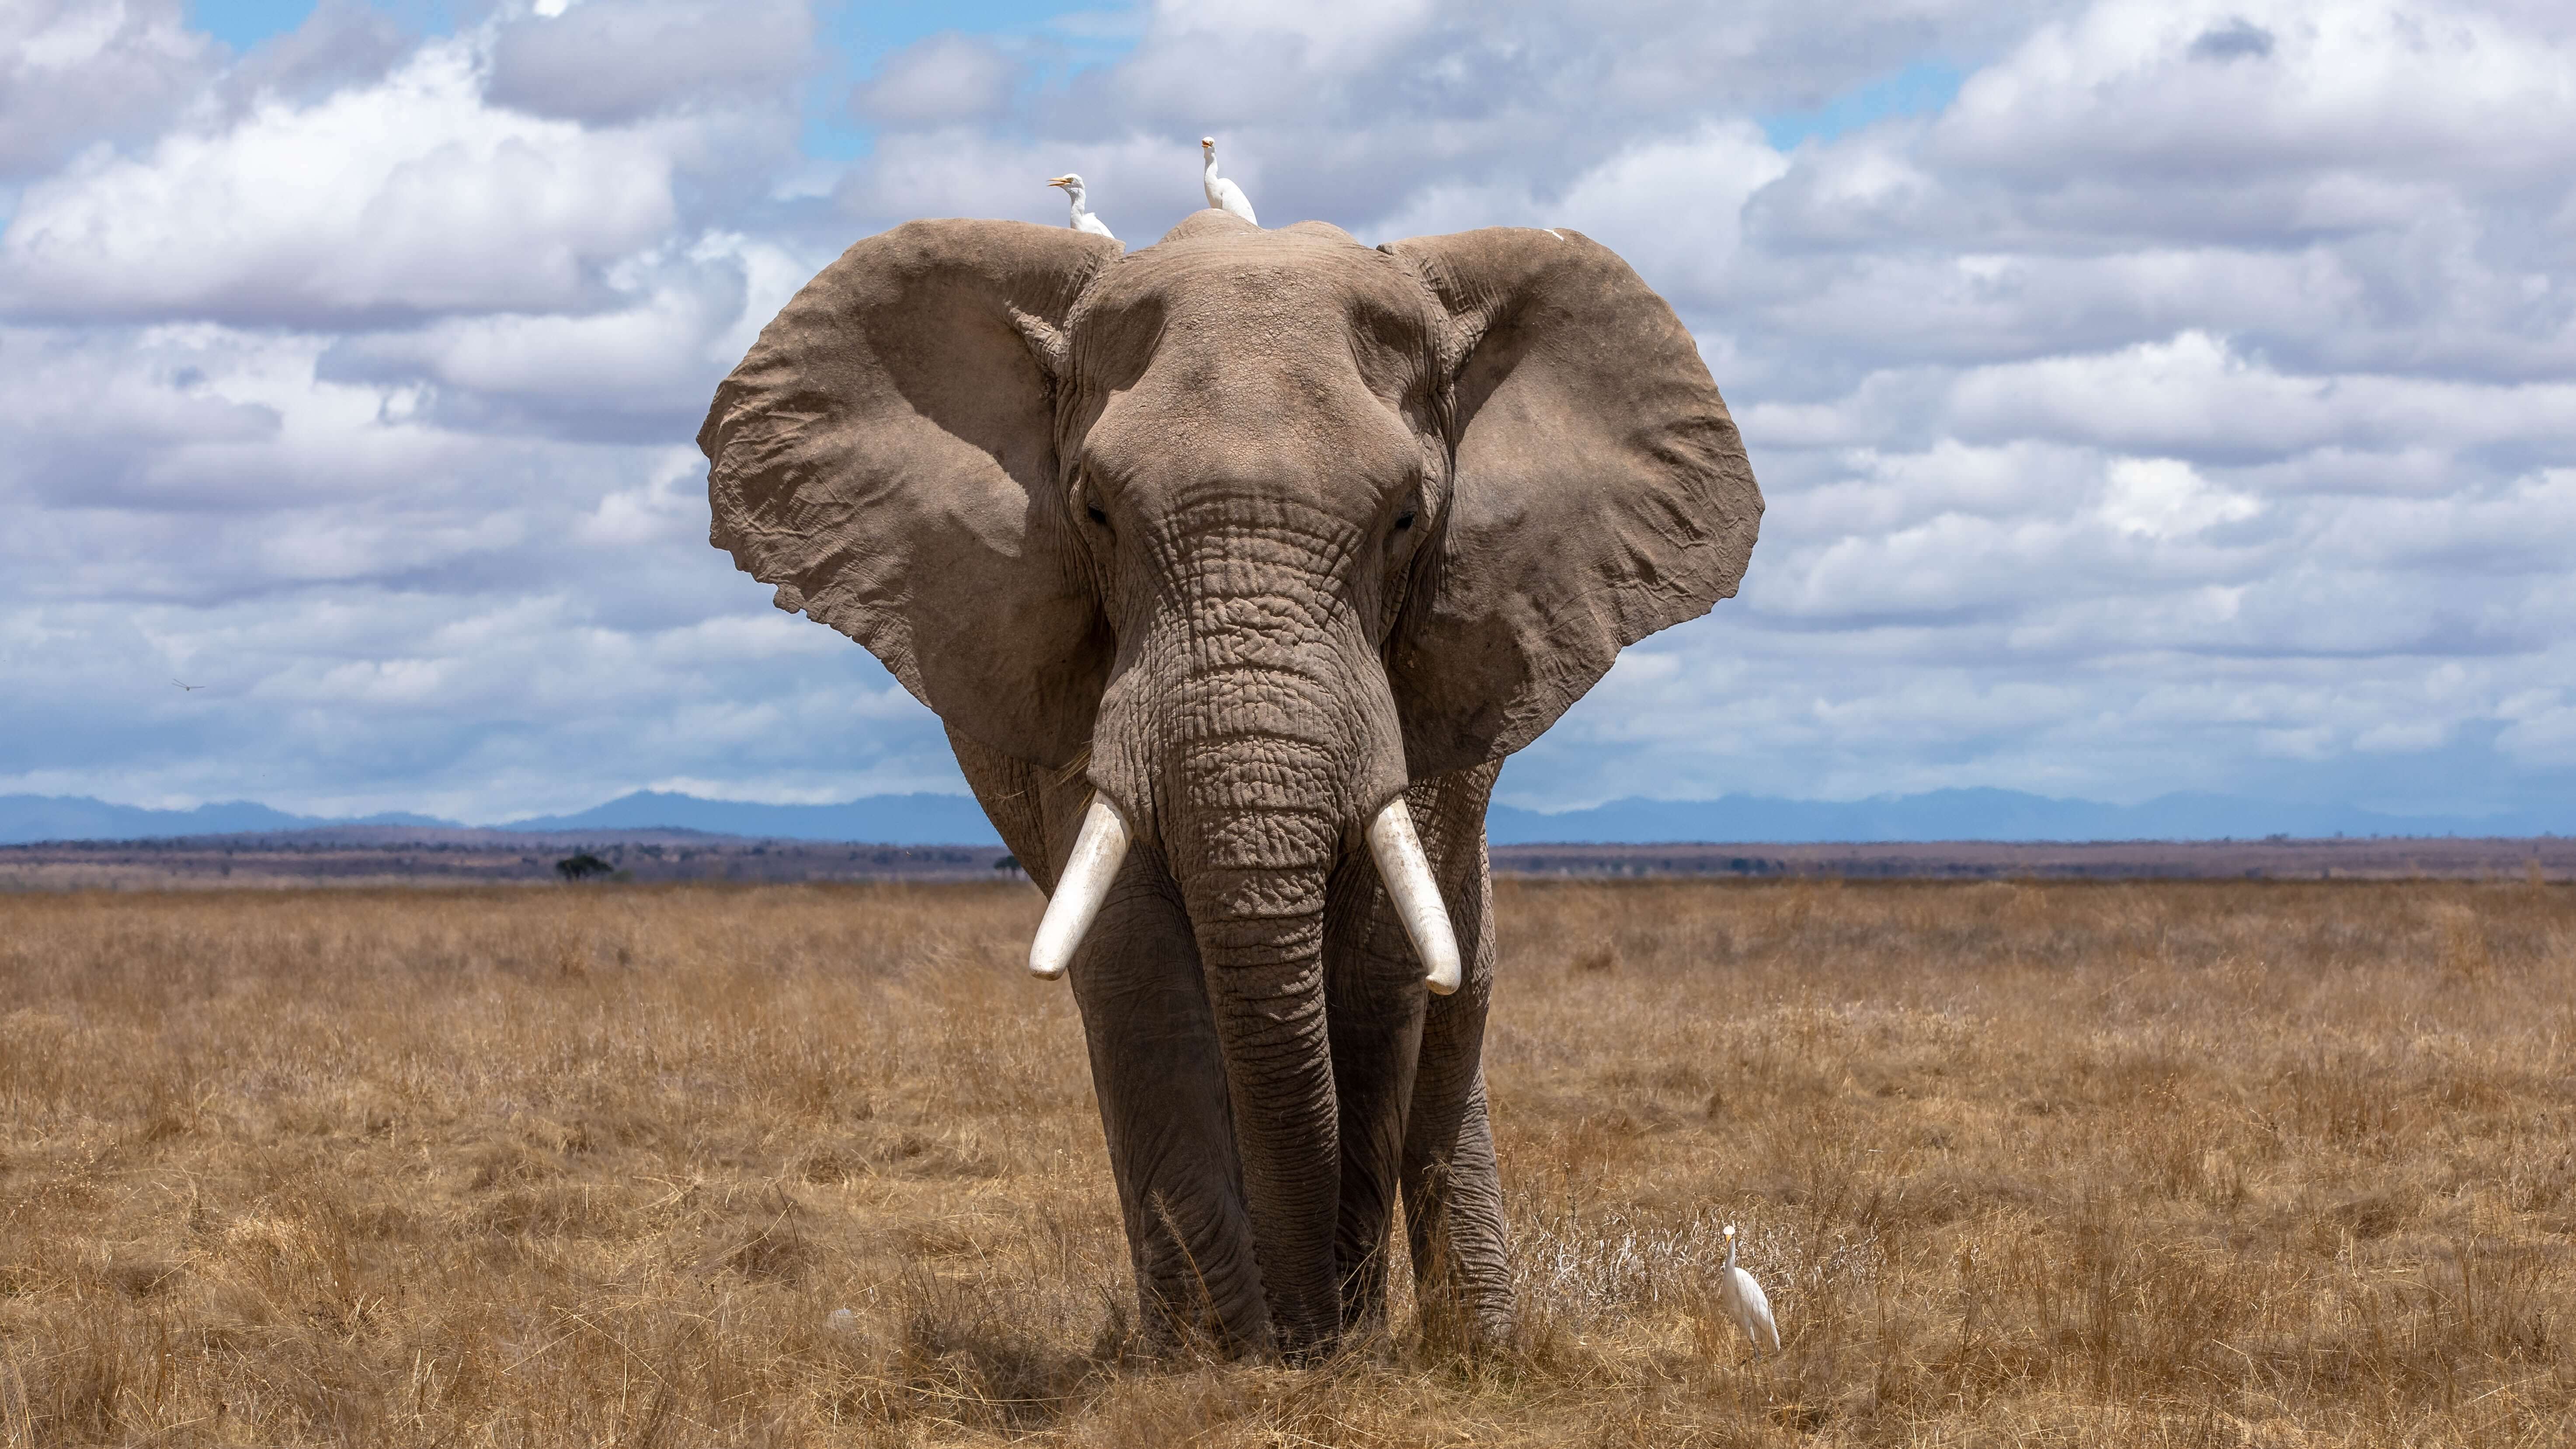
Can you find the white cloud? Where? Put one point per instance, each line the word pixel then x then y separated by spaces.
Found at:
pixel 617 61
pixel 2543 728
pixel 2197 394
pixel 341 45
pixel 1672 206
pixel 76 74
pixel 1223 60
pixel 667 507
pixel 411 196
pixel 2163 499
pixel 2381 91
pixel 947 77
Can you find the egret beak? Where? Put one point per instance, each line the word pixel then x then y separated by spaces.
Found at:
pixel 1207 143
pixel 1061 181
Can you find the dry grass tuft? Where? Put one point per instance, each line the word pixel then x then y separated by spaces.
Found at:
pixel 2173 1164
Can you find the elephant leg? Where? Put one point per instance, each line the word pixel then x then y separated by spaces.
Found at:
pixel 1453 1211
pixel 1160 1078
pixel 1373 1008
pixel 1453 1200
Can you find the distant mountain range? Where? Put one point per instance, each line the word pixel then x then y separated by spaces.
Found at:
pixel 25 818
pixel 887 819
pixel 927 819
pixel 877 819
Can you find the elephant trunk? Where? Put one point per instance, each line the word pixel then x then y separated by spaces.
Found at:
pixel 1255 814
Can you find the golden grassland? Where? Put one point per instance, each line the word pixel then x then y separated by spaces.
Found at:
pixel 2079 1164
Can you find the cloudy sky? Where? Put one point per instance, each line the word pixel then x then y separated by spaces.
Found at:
pixel 2149 396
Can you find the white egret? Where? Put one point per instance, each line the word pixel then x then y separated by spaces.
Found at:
pixel 1222 194
pixel 1081 220
pixel 1745 1301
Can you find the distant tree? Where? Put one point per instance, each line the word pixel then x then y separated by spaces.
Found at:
pixel 582 865
pixel 1008 862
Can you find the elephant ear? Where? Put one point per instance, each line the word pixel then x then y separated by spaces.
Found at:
pixel 1600 491
pixel 885 455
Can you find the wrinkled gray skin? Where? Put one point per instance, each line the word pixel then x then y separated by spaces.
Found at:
pixel 1249 532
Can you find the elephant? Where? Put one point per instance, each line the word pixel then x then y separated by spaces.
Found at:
pixel 1233 569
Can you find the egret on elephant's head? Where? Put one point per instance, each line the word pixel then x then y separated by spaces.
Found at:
pixel 1222 194
pixel 1078 198
pixel 1234 567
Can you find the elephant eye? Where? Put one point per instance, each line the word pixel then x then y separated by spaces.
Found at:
pixel 1096 515
pixel 1404 520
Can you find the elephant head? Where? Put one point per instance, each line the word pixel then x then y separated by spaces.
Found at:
pixel 1233 547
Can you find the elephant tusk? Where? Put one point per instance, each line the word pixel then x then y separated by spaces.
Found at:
pixel 1406 872
pixel 1097 851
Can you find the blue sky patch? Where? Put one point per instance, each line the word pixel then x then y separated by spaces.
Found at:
pixel 1921 89
pixel 242 24
pixel 858 37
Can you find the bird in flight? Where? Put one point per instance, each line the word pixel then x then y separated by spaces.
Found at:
pixel 1082 220
pixel 188 686
pixel 1222 194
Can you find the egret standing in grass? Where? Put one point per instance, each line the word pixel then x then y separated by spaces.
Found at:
pixel 1081 220
pixel 1745 1301
pixel 1222 194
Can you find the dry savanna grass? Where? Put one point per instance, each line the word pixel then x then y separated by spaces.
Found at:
pixel 2078 1164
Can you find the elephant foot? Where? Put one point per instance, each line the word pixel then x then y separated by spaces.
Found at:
pixel 1464 1329
pixel 1310 1354
pixel 1179 1327
pixel 1177 1324
pixel 1459 1313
